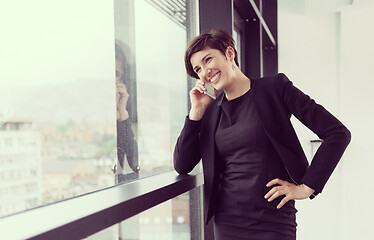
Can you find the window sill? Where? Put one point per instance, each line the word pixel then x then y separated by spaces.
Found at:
pixel 85 215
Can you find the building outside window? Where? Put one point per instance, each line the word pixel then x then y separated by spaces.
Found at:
pixel 65 66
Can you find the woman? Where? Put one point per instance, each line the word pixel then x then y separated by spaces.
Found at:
pixel 254 166
pixel 127 147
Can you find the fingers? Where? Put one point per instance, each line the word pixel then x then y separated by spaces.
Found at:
pixel 280 192
pixel 290 191
pixel 199 101
pixel 199 87
pixel 123 99
pixel 121 88
pixel 274 193
pixel 121 93
pixel 284 188
pixel 275 181
pixel 284 201
pixel 121 85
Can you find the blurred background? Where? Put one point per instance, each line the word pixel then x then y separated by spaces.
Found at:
pixel 325 47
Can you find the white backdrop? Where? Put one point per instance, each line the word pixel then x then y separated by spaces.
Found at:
pixel 326 49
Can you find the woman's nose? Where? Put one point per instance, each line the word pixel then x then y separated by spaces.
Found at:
pixel 207 72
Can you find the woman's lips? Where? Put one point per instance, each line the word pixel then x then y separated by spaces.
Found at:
pixel 215 78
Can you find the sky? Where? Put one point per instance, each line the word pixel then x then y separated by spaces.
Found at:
pixel 48 42
pixel 48 48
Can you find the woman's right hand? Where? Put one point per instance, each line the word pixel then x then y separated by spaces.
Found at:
pixel 122 96
pixel 199 101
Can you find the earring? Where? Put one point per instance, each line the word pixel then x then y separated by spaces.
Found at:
pixel 233 67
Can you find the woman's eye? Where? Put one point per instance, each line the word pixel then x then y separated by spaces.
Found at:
pixel 208 59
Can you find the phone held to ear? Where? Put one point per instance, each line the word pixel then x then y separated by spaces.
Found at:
pixel 210 91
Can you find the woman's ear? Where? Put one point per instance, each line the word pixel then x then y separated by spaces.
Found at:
pixel 230 53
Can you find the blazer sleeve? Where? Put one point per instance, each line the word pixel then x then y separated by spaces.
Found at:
pixel 187 152
pixel 334 135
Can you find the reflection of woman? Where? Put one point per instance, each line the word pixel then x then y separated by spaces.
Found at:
pixel 126 145
pixel 254 166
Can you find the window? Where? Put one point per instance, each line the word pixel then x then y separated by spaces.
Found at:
pixel 155 81
pixel 166 221
pixel 61 64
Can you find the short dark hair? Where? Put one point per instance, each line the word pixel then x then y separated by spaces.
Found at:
pixel 215 39
pixel 121 58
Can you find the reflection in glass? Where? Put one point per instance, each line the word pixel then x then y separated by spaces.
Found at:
pixel 127 147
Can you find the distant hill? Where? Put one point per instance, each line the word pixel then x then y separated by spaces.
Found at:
pixel 89 100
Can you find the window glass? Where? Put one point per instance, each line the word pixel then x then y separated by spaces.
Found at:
pixel 92 93
pixel 156 86
pixel 167 221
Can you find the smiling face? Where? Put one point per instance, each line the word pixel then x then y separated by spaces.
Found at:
pixel 213 67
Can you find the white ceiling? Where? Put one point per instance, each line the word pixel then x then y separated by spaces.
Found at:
pixel 317 6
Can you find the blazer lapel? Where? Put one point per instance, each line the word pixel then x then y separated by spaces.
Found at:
pixel 209 126
pixel 271 124
pixel 207 138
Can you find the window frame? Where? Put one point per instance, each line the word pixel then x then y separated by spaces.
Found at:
pixel 101 210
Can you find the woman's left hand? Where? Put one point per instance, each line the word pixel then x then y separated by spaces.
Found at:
pixel 290 190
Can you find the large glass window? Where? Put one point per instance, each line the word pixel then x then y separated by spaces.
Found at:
pixel 167 221
pixel 92 93
pixel 152 36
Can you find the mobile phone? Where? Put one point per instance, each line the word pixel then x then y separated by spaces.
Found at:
pixel 210 91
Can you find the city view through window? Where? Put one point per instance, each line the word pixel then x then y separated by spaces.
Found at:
pixel 59 130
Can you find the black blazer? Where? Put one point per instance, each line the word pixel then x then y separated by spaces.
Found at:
pixel 276 99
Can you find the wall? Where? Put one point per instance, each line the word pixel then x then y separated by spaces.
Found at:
pixel 326 50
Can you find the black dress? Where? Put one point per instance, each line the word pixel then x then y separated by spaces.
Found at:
pixel 247 162
pixel 127 149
